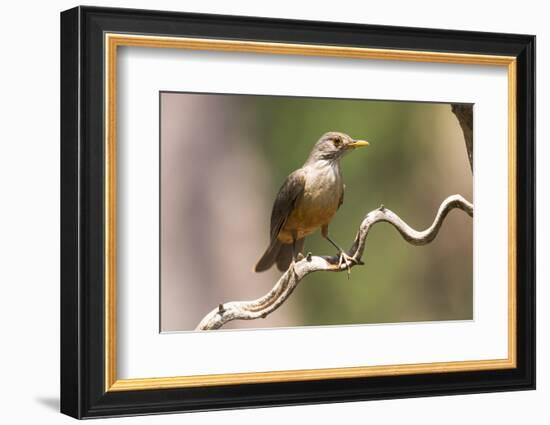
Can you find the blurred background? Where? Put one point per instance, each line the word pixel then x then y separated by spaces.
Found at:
pixel 223 159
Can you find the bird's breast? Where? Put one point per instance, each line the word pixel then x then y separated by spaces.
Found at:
pixel 319 202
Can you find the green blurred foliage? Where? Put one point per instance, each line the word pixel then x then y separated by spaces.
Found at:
pixel 407 168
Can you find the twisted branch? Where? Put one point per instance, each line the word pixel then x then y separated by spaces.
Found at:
pixel 261 307
pixel 464 114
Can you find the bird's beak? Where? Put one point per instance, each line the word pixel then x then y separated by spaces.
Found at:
pixel 358 144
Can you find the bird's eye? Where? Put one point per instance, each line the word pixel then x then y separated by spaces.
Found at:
pixel 337 142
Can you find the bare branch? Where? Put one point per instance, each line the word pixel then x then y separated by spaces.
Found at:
pixel 464 114
pixel 261 307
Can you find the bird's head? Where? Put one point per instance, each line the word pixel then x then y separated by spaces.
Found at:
pixel 334 145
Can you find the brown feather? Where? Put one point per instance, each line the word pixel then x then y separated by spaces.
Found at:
pixel 284 258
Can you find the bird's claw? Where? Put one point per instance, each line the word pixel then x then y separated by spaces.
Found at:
pixel 348 261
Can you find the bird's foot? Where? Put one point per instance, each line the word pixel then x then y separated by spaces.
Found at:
pixel 347 261
pixel 299 257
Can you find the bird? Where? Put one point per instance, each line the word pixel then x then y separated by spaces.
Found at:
pixel 308 200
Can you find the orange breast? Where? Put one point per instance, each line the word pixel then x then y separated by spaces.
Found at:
pixel 317 206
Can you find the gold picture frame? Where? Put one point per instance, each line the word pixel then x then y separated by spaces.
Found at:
pixel 113 41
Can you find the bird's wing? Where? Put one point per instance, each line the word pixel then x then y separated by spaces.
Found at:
pixel 341 201
pixel 289 193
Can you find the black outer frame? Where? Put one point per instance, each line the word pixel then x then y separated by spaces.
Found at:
pixel 82 219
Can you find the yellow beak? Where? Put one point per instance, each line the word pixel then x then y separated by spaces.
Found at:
pixel 358 144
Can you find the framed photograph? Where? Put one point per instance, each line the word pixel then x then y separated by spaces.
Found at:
pixel 261 212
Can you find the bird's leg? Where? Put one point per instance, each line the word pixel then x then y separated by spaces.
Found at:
pixel 296 256
pixel 344 257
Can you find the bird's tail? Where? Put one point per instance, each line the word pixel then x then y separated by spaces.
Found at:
pixel 269 257
pixel 279 253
